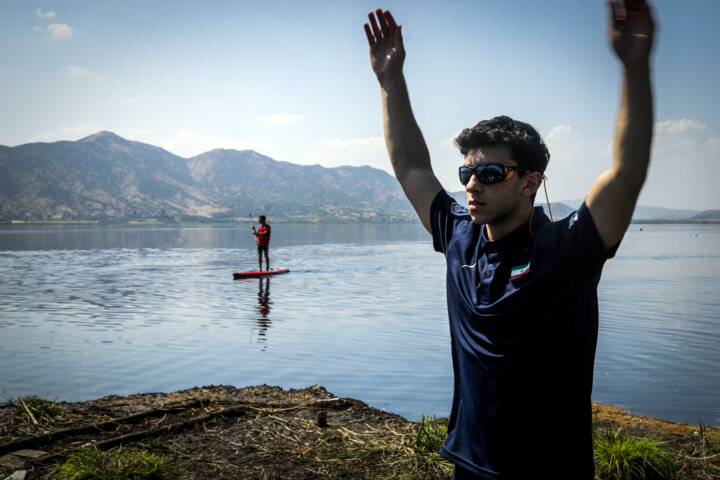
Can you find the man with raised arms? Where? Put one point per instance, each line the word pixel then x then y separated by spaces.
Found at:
pixel 521 290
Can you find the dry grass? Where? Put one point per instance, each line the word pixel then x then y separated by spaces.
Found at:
pixel 310 434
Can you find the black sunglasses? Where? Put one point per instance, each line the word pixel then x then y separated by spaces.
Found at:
pixel 488 173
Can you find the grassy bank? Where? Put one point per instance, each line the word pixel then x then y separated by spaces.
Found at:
pixel 270 433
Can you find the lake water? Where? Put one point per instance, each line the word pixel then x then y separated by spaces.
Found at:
pixel 89 311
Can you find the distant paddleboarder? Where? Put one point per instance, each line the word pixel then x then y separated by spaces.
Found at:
pixel 263 244
pixel 263 241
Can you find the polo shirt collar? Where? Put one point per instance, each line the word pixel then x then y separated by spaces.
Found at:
pixel 517 238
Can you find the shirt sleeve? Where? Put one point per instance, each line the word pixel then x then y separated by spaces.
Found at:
pixel 446 215
pixel 585 250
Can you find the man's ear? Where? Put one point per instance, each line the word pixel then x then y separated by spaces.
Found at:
pixel 533 181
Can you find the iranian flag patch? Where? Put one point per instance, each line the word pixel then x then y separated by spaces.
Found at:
pixel 519 271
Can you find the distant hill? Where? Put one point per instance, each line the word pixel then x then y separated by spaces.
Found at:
pixel 708 215
pixel 559 210
pixel 660 213
pixel 655 214
pixel 106 177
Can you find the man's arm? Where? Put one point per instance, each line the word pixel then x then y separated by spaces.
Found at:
pixel 612 198
pixel 406 147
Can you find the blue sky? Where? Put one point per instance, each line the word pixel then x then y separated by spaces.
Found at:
pixel 292 80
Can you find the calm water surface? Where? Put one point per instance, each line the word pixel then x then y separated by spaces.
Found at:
pixel 98 310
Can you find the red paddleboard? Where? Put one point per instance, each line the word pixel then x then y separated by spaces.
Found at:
pixel 262 273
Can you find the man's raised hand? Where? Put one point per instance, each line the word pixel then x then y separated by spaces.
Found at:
pixel 387 53
pixel 631 31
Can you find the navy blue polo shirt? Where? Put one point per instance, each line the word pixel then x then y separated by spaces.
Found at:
pixel 523 317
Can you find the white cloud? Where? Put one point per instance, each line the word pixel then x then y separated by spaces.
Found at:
pixel 338 145
pixel 83 130
pixel 712 148
pixel 280 119
pixel 561 140
pixel 575 163
pixel 677 127
pixel 44 15
pixel 188 143
pixel 136 134
pixel 355 152
pixel 80 72
pixel 684 166
pixel 679 137
pixel 60 31
pixel 450 142
pixel 67 133
pixel 132 100
pixel 568 147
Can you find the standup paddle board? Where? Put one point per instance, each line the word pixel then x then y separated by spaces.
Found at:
pixel 261 273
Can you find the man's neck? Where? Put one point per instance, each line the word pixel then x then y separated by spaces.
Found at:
pixel 498 230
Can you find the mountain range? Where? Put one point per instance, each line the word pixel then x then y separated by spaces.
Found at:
pixel 104 177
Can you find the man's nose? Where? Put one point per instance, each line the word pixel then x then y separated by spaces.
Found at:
pixel 473 184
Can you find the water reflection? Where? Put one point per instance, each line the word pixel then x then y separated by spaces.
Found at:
pixel 85 237
pixel 263 309
pixel 89 237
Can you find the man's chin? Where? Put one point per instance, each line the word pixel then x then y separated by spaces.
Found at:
pixel 477 218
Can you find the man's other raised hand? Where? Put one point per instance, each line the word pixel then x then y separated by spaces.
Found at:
pixel 631 30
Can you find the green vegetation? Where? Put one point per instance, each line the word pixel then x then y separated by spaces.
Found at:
pixel 619 456
pixel 39 411
pixel 116 464
pixel 430 435
pixel 397 457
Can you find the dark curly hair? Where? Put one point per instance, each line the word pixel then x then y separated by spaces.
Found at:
pixel 526 145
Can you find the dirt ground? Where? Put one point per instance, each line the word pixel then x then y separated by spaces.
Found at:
pixel 263 432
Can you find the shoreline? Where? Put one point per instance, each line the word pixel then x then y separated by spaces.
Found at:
pixel 268 432
pixel 280 221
